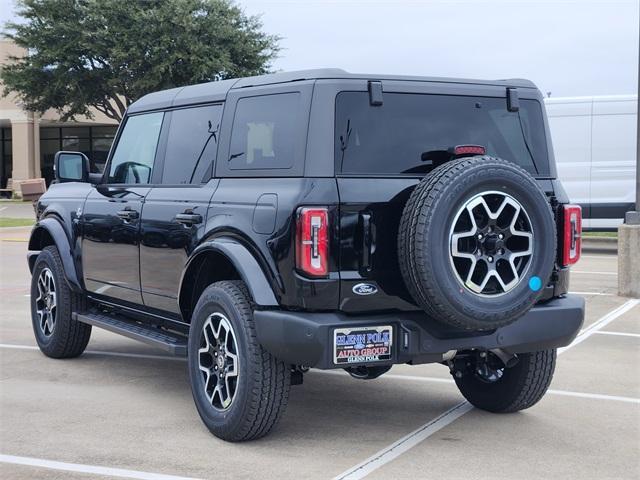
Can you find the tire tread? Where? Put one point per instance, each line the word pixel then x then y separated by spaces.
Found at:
pixel 70 337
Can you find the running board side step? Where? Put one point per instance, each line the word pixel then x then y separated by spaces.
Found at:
pixel 172 343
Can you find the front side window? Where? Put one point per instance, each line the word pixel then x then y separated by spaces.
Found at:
pixel 191 145
pixel 412 133
pixel 132 161
pixel 264 132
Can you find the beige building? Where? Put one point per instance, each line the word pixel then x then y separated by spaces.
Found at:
pixel 29 141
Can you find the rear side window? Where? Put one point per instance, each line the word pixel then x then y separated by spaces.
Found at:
pixel 191 144
pixel 264 132
pixel 132 161
pixel 411 133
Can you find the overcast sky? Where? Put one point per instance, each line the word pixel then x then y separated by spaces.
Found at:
pixel 568 47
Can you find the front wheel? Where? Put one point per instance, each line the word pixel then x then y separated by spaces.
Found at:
pixel 491 386
pixel 240 389
pixel 52 306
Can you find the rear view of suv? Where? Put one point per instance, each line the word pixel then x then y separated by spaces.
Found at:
pixel 318 219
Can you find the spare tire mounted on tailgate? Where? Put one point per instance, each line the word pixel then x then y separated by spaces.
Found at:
pixel 477 243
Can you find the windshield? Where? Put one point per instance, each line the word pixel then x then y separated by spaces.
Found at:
pixel 411 133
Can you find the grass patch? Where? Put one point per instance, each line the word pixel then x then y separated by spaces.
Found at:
pixel 600 234
pixel 16 222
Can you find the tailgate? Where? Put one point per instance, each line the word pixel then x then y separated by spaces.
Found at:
pixel 370 212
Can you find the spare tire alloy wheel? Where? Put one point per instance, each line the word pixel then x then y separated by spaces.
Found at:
pixel 218 361
pixel 477 243
pixel 491 243
pixel 46 302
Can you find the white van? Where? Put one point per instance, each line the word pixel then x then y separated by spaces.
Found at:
pixel 594 140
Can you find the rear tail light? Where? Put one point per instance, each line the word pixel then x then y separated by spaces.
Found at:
pixel 312 241
pixel 469 150
pixel 572 234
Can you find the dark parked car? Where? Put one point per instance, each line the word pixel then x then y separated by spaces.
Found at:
pixel 318 219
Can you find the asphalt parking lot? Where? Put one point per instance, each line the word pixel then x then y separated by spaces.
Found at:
pixel 125 410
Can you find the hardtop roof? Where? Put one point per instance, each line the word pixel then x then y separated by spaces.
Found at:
pixel 217 91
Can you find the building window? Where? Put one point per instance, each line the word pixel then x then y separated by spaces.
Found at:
pixel 94 142
pixel 6 156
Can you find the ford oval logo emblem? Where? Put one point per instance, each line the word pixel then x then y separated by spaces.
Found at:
pixel 364 289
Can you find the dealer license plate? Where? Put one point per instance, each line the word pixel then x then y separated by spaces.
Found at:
pixel 362 344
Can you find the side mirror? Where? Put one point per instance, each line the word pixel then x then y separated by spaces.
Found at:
pixel 71 167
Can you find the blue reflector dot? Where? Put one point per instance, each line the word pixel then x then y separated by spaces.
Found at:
pixel 535 283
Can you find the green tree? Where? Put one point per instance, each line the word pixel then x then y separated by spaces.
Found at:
pixel 108 53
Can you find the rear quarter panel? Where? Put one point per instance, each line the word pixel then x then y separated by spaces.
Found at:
pixel 260 213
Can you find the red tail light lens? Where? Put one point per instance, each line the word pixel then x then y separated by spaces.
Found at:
pixel 469 150
pixel 312 241
pixel 572 234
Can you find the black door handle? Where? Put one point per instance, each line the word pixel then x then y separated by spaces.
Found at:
pixel 127 214
pixel 188 218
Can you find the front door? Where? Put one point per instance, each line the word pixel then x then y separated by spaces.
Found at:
pixel 113 210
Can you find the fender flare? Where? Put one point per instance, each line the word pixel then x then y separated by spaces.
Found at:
pixel 245 264
pixel 56 231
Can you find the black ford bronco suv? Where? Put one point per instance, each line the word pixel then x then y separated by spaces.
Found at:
pixel 317 219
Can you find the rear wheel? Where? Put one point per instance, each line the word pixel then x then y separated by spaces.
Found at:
pixel 240 389
pixel 491 386
pixel 52 305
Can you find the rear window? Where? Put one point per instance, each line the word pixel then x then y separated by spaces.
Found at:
pixel 264 132
pixel 410 133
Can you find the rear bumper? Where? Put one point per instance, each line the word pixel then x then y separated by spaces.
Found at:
pixel 303 338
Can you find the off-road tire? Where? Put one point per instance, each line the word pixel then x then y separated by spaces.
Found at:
pixel 263 385
pixel 521 386
pixel 423 242
pixel 69 337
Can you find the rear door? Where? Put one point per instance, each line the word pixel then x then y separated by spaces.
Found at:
pixel 111 217
pixel 175 210
pixel 383 151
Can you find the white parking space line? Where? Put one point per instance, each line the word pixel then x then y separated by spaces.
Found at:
pixel 593 293
pixel 2 208
pixel 590 272
pixel 621 334
pixel 76 467
pixel 387 376
pixel 595 396
pixel 101 352
pixel 381 458
pixel 406 443
pixel 450 381
pixel 601 323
